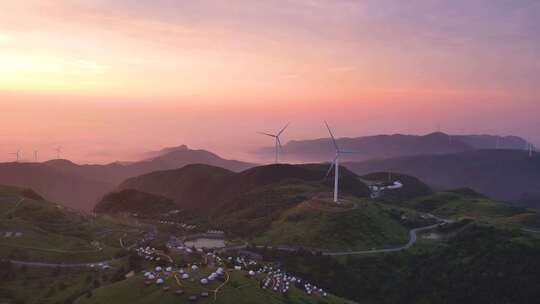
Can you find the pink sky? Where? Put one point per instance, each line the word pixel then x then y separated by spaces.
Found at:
pixel 109 80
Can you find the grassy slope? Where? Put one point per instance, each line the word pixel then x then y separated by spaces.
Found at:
pixel 52 285
pixel 367 226
pixel 465 204
pixel 51 233
pixel 239 290
pixel 481 264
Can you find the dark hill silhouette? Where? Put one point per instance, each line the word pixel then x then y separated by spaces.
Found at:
pixel 501 174
pixel 397 145
pixel 71 190
pixel 135 202
pixel 166 159
pixel 204 189
pixel 82 186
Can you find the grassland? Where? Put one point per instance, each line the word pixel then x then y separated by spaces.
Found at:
pixel 35 230
pixel 239 289
pixel 364 226
pixel 465 204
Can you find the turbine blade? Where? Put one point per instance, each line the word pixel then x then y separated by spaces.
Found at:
pixel 267 134
pixel 329 170
pixel 331 167
pixel 281 131
pixel 331 135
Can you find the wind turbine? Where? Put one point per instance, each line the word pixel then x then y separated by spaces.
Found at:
pixel 58 151
pixel 17 154
pixel 36 155
pixel 335 163
pixel 277 140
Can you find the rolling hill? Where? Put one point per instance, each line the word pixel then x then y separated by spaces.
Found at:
pixel 501 174
pixel 74 191
pixel 166 159
pixel 82 186
pixel 133 201
pixel 36 230
pixel 390 146
pixel 278 205
pixel 207 189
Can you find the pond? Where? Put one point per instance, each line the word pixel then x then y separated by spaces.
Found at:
pixel 205 243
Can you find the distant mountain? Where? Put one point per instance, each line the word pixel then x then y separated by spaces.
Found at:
pixel 397 145
pixel 166 159
pixel 82 186
pixel 71 190
pixel 206 189
pixel 501 174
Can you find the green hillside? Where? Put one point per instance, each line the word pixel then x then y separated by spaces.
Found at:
pixel 35 230
pixel 134 201
pixel 359 226
pixel 465 203
pixel 239 289
pixel 480 264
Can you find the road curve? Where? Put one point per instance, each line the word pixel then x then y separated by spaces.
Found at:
pixel 412 240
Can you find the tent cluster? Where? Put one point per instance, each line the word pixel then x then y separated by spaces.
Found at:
pixel 183 225
pixel 217 232
pixel 8 234
pixel 148 253
pixel 159 274
pixel 279 281
pixel 213 276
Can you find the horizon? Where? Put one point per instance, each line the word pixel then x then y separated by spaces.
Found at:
pixel 110 80
pixel 257 157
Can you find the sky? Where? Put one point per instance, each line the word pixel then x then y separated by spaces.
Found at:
pixel 109 80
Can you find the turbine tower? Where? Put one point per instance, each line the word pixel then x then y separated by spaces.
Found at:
pixel 277 140
pixel 17 155
pixel 335 163
pixel 35 156
pixel 58 152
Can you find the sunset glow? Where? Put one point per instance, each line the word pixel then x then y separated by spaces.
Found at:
pixel 160 70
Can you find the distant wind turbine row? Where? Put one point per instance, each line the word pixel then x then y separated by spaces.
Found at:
pixel 18 154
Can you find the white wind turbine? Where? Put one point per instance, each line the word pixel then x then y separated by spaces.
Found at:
pixel 335 163
pixel 277 140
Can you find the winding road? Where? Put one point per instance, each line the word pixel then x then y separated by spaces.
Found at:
pixel 412 240
pixel 75 265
